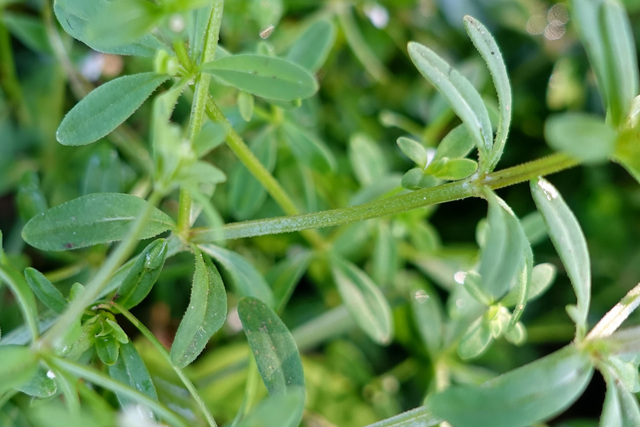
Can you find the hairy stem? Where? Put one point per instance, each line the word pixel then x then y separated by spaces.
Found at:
pixel 392 205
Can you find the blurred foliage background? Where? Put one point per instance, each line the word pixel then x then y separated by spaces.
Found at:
pixel 369 91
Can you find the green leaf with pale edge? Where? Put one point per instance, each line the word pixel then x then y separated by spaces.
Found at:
pixel 524 396
pixel 18 365
pixel 39 385
pixel 44 290
pixel 413 150
pixel 131 370
pixel 308 148
pixel 428 316
pixel 143 274
pixel 311 49
pixel 205 314
pixel 273 347
pixel 458 143
pixel 365 301
pixel 418 417
pixel 91 220
pixel 281 410
pixel 505 249
pixel 459 92
pixel 106 108
pixel 244 277
pixel 569 241
pixel 620 407
pixel 583 136
pixel 264 76
pixel 368 162
pixel 486 45
pixel 476 339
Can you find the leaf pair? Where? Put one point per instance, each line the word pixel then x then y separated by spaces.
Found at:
pixel 464 99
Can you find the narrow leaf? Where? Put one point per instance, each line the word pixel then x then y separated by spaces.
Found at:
pixel 39 385
pixel 205 314
pixel 264 76
pixel 90 220
pixel 486 45
pixel 284 276
pixel 459 92
pixel 280 410
pixel 583 136
pixel 273 347
pixel 365 301
pixel 458 143
pixel 44 290
pixel 413 150
pixel 106 107
pixel 476 339
pixel 569 241
pixel 143 274
pixel 521 397
pixel 107 348
pixel 620 407
pixel 311 49
pixel 367 159
pixel 131 370
pixel 308 148
pixel 245 278
pixel 18 365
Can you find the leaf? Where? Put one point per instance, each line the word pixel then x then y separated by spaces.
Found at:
pixel 524 396
pixel 459 92
pixel 246 194
pixel 18 365
pixel 367 160
pixel 452 169
pixel 385 258
pixel 106 107
pixel 414 151
pixel 365 301
pixel 29 30
pixel 246 103
pixel 311 49
pixel 428 317
pixel 569 241
pixel 91 220
pixel 281 410
pixel 583 136
pixel 245 278
pixel 458 143
pixel 44 290
pixel 476 339
pixel 415 179
pixel 486 45
pixel 39 385
pixel 74 17
pixel 131 371
pixel 205 314
pixel 264 76
pixel 504 251
pixel 418 417
pixel 273 347
pixel 284 276
pixel 200 172
pixel 542 276
pixel 143 274
pixel 107 348
pixel 308 148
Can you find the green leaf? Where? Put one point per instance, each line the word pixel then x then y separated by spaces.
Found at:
pixel 44 290
pixel 542 276
pixel 18 365
pixel 245 278
pixel 365 301
pixel 199 172
pixel 418 417
pixel 524 396
pixel 452 169
pixel 264 76
pixel 104 172
pixel 414 151
pixel 205 314
pixel 385 260
pixel 246 103
pixel 428 316
pixel 583 136
pixel 281 410
pixel 459 92
pixel 284 276
pixel 29 30
pixel 246 194
pixel 476 339
pixel 131 370
pixel 273 347
pixel 367 160
pixel 40 385
pixel 74 17
pixel 91 220
pixel 308 148
pixel 569 241
pixel 107 348
pixel 458 143
pixel 415 179
pixel 504 251
pixel 143 274
pixel 311 49
pixel 106 107
pixel 486 45
pixel 620 407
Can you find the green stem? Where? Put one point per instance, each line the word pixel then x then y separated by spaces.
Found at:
pixel 8 77
pixel 107 382
pixel 101 279
pixel 257 169
pixel 165 355
pixel 393 205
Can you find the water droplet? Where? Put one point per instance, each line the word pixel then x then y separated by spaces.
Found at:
pixel 50 374
pixel 421 296
pixel 377 14
pixel 176 23
pixel 459 277
pixel 549 190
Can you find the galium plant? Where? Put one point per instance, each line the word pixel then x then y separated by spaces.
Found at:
pixel 233 150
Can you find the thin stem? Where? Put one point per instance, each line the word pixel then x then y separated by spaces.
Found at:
pixel 8 76
pixel 165 355
pixel 618 314
pixel 101 279
pixel 107 382
pixel 392 205
pixel 257 169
